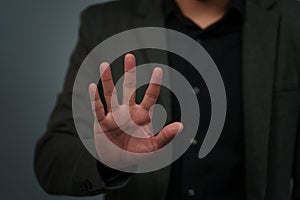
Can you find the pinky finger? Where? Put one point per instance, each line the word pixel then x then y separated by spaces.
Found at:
pixel 97 106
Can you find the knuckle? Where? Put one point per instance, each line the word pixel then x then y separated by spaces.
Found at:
pixel 129 84
pixel 108 93
pixel 151 95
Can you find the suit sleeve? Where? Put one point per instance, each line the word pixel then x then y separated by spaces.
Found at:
pixel 296 173
pixel 62 164
pixel 296 170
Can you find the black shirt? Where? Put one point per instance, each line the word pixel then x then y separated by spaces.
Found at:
pixel 220 175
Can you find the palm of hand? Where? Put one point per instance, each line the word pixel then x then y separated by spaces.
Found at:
pixel 128 126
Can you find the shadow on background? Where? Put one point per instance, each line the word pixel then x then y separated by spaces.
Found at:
pixel 36 41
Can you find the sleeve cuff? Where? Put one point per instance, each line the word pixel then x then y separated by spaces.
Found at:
pixel 112 178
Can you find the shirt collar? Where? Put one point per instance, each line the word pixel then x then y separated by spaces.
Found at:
pixel 170 7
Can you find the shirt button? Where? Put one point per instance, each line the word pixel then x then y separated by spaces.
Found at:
pixel 191 192
pixel 196 90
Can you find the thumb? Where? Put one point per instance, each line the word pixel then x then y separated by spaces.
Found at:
pixel 168 133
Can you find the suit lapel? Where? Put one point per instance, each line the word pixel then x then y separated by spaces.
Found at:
pixel 259 50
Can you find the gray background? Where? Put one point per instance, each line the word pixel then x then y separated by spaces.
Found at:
pixel 36 40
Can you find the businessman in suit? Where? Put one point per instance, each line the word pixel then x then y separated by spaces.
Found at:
pixel 255 45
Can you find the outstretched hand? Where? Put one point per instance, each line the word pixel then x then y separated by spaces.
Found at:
pixel 129 125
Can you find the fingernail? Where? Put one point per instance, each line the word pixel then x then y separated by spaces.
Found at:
pixel 157 76
pixel 92 90
pixel 180 128
pixel 103 67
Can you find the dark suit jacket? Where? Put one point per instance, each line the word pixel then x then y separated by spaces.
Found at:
pixel 271 78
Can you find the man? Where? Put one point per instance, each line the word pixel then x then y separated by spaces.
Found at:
pixel 255 45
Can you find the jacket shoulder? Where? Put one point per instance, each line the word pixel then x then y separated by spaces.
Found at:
pixel 112 8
